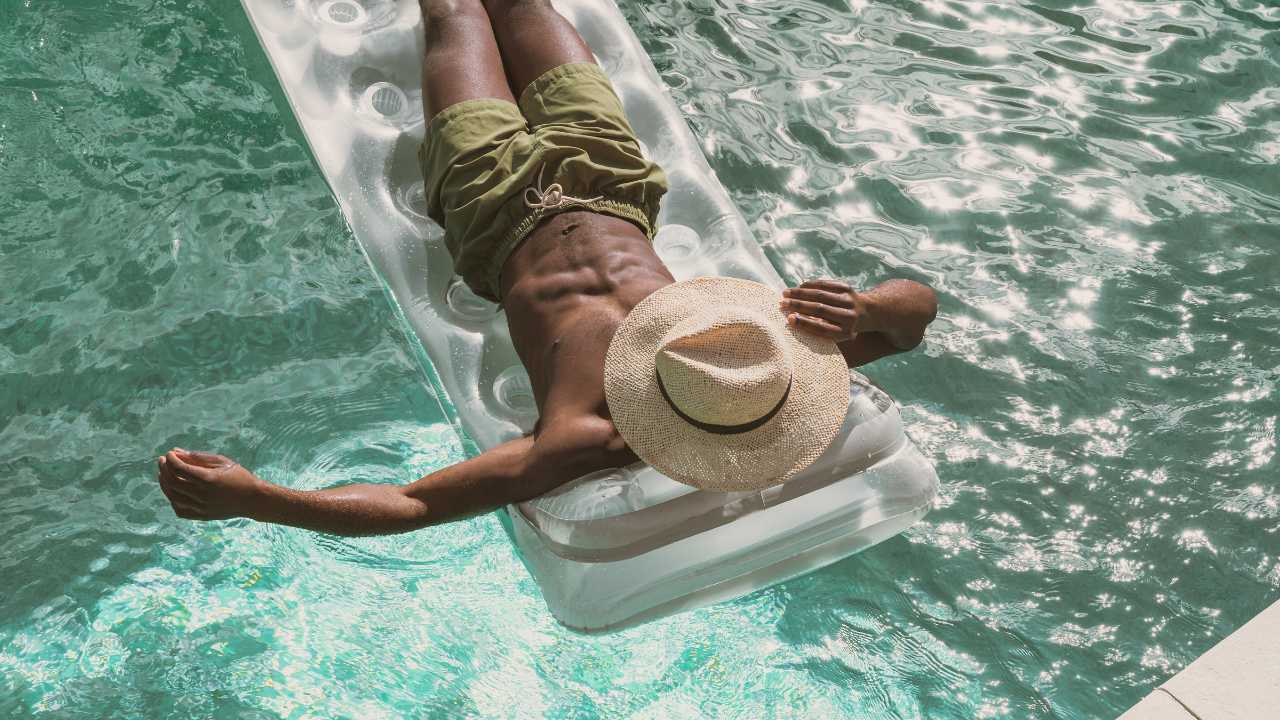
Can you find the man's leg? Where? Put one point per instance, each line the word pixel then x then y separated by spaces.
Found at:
pixel 534 38
pixel 462 60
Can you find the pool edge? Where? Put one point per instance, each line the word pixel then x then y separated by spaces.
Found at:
pixel 1237 678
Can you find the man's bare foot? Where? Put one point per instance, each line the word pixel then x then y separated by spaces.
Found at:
pixel 204 486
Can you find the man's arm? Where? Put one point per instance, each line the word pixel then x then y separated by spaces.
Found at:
pixel 203 486
pixel 888 319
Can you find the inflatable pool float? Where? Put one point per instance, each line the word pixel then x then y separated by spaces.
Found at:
pixel 621 546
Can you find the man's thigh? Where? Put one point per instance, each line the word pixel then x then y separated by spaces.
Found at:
pixel 462 61
pixel 534 38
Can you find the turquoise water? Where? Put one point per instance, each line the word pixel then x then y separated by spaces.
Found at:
pixel 1091 186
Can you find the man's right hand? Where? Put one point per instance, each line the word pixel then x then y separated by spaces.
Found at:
pixel 829 308
pixel 888 319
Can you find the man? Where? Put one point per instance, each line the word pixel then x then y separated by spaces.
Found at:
pixel 549 208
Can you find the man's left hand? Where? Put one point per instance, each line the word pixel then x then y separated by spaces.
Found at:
pixel 204 486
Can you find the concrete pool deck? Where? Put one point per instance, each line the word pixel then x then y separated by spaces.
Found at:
pixel 1237 679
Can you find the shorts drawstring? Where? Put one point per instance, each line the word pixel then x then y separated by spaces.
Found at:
pixel 552 196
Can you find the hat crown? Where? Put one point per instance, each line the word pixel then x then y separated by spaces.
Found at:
pixel 725 367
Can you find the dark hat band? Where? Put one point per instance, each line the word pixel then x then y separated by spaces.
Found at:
pixel 725 429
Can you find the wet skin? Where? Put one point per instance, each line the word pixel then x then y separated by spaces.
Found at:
pixel 565 289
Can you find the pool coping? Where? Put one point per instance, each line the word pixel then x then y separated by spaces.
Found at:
pixel 1236 679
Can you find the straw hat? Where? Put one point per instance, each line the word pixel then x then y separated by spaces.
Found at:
pixel 707 383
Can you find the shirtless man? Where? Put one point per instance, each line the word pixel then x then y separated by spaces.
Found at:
pixel 585 200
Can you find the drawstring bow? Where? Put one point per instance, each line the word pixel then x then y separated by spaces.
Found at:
pixel 552 196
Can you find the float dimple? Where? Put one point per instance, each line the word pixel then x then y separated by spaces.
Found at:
pixel 463 301
pixel 676 242
pixel 344 13
pixel 514 391
pixel 387 100
pixel 414 200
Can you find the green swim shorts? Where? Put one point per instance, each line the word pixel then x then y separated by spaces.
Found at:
pixel 494 170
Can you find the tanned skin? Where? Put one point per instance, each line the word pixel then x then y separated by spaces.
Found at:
pixel 566 289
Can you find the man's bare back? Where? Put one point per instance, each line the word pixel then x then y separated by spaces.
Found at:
pixel 565 288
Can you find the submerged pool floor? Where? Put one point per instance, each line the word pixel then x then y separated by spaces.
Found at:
pixel 1091 187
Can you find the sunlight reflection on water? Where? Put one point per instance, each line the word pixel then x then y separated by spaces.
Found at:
pixel 1093 191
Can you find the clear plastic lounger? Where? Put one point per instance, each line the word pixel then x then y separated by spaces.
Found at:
pixel 616 547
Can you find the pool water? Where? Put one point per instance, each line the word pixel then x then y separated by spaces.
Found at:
pixel 1092 187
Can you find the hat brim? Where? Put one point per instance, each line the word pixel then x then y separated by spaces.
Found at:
pixel 797 435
